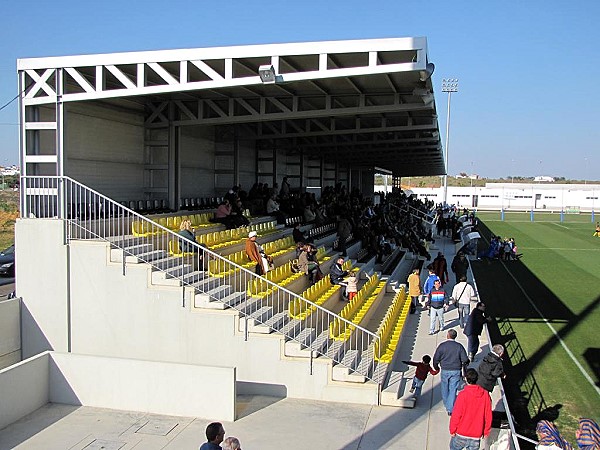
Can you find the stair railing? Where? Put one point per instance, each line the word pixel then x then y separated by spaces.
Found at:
pixel 90 215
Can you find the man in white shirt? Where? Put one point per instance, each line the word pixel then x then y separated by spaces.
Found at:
pixel 463 294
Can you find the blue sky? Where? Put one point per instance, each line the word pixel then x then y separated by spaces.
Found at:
pixel 528 70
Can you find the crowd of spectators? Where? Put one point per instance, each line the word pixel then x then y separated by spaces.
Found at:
pixel 381 227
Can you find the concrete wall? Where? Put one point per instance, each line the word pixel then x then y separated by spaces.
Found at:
pixel 24 387
pixel 104 149
pixel 127 317
pixel 197 156
pixel 41 262
pixel 134 385
pixel 131 385
pixel 10 333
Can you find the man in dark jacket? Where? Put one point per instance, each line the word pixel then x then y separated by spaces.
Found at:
pixel 474 327
pixel 460 265
pixel 451 357
pixel 491 368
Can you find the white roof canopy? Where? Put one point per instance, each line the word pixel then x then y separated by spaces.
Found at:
pixel 364 103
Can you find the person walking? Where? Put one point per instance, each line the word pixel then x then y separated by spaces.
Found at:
pixel 474 328
pixel 414 289
pixel 462 295
pixel 423 369
pixel 437 303
pixel 472 415
pixel 460 265
pixel 440 267
pixel 214 435
pixel 452 358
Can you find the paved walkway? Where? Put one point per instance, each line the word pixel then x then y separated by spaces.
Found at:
pixel 264 423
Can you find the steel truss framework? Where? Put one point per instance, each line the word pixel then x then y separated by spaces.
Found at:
pixel 361 103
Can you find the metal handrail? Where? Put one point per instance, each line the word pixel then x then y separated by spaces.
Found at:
pixel 89 214
pixel 511 424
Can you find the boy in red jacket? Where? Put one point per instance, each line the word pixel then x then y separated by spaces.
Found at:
pixel 423 368
pixel 472 415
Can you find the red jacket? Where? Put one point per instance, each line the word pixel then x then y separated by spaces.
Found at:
pixel 472 413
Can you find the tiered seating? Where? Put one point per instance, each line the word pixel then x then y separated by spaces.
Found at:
pixel 391 326
pixel 259 288
pixel 175 249
pixel 355 310
pixel 279 247
pixel 323 229
pixel 291 221
pixel 220 239
pixel 220 268
pixel 317 294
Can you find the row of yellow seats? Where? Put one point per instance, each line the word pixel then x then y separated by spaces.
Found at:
pixel 280 276
pixel 345 330
pixel 317 294
pixel 338 327
pixel 279 245
pixel 391 329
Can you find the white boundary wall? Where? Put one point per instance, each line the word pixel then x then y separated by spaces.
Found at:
pixel 10 333
pixel 521 196
pixel 76 298
pixel 123 384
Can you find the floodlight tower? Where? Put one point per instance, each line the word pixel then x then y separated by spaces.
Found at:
pixel 449 85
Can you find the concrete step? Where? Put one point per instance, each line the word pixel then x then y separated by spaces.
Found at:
pixel 125 241
pixel 291 328
pixel 397 393
pixel 256 320
pixel 297 346
pixel 234 299
pixel 194 277
pixel 116 254
pixel 273 323
pixel 168 262
pixel 206 283
pixel 147 257
pixel 220 292
pixel 341 372
pixel 174 274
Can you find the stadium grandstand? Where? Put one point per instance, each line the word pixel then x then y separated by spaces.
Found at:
pixel 122 319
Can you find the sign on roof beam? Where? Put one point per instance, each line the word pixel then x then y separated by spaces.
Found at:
pixel 41 82
pixel 40 125
pixel 161 72
pixel 207 70
pixel 85 85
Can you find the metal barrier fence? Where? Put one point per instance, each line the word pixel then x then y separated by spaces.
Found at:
pixel 89 215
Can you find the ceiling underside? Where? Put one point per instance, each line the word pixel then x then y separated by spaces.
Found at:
pixel 361 103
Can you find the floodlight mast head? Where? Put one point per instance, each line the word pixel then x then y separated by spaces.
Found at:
pixel 450 85
pixel 267 73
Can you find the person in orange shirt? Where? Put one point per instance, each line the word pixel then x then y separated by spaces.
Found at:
pixel 414 289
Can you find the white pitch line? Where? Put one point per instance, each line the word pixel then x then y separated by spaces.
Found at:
pixel 562 343
pixel 559 225
pixel 560 249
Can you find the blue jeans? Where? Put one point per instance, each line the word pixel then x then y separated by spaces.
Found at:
pixel 473 344
pixel 460 443
pixel 436 314
pixel 450 382
pixel 463 313
pixel 417 385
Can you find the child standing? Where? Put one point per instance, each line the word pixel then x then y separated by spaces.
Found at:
pixel 352 287
pixel 423 368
